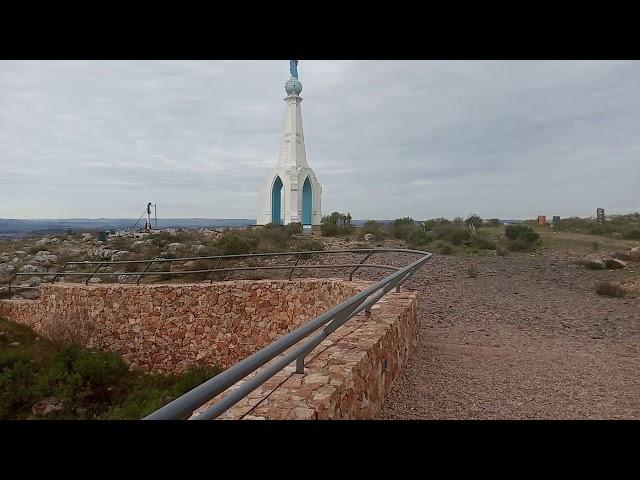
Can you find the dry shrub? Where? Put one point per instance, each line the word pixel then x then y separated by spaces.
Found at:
pixel 610 289
pixel 73 330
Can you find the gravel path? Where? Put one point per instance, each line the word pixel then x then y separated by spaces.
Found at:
pixel 527 338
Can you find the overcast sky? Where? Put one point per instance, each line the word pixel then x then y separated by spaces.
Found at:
pixel 507 139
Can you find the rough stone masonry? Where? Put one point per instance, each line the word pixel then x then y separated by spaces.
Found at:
pixel 170 327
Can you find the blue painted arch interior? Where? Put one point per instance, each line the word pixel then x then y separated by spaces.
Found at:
pixel 307 202
pixel 276 202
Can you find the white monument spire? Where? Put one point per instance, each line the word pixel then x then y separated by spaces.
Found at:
pixel 291 192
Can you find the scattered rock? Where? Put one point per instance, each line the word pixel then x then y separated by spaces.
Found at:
pixel 614 263
pixel 15 260
pixel 28 268
pixel 6 268
pixel 14 344
pixel 5 257
pixel 103 252
pixel 593 263
pixel 86 237
pixel 140 243
pixel 634 253
pixel 95 280
pixel 369 237
pixel 197 248
pixel 127 279
pixel 118 254
pixel 175 246
pixel 34 281
pixel 45 258
pixel 46 406
pixel 45 241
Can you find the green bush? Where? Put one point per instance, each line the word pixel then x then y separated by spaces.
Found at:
pixel 458 236
pixel 432 223
pixel 77 375
pixel 419 238
pixel 375 228
pixel 336 225
pixel 309 245
pixel 17 374
pixel 521 238
pixel 403 228
pixel 233 244
pixel 474 221
pixel 632 234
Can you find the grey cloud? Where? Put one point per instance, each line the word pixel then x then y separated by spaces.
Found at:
pixel 386 138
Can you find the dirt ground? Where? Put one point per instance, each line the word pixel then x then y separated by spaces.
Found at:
pixel 526 339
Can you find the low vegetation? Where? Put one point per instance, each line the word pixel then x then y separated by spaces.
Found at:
pixel 337 225
pixel 521 238
pixel 621 226
pixel 79 383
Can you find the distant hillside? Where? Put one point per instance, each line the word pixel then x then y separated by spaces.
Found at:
pixel 16 227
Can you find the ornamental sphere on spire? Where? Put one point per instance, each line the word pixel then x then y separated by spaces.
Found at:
pixel 293 86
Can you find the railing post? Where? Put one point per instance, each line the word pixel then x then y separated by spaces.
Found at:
pixel 361 263
pixel 143 271
pixel 292 268
pixel 214 269
pixel 58 274
pixel 93 273
pixel 300 364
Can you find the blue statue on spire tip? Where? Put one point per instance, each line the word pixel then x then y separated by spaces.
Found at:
pixel 293 67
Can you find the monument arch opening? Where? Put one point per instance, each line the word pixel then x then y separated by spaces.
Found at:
pixel 276 202
pixel 307 202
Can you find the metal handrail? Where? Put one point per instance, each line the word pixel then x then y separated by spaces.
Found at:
pixel 184 406
pixel 145 272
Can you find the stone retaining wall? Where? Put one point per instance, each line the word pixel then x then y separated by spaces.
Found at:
pixel 346 377
pixel 170 327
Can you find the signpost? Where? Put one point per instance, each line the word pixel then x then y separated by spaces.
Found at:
pixel 600 215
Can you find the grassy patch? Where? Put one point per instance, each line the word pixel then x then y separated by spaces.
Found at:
pixel 88 384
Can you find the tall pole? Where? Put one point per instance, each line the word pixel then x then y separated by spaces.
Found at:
pixel 155 210
pixel 149 216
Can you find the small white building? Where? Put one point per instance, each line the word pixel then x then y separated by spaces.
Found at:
pixel 291 193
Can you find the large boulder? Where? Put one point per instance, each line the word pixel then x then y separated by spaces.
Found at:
pixel 175 246
pixel 45 258
pixel 369 237
pixel 87 237
pixel 5 257
pixel 634 254
pixel 46 241
pixel 118 255
pixel 28 268
pixel 103 252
